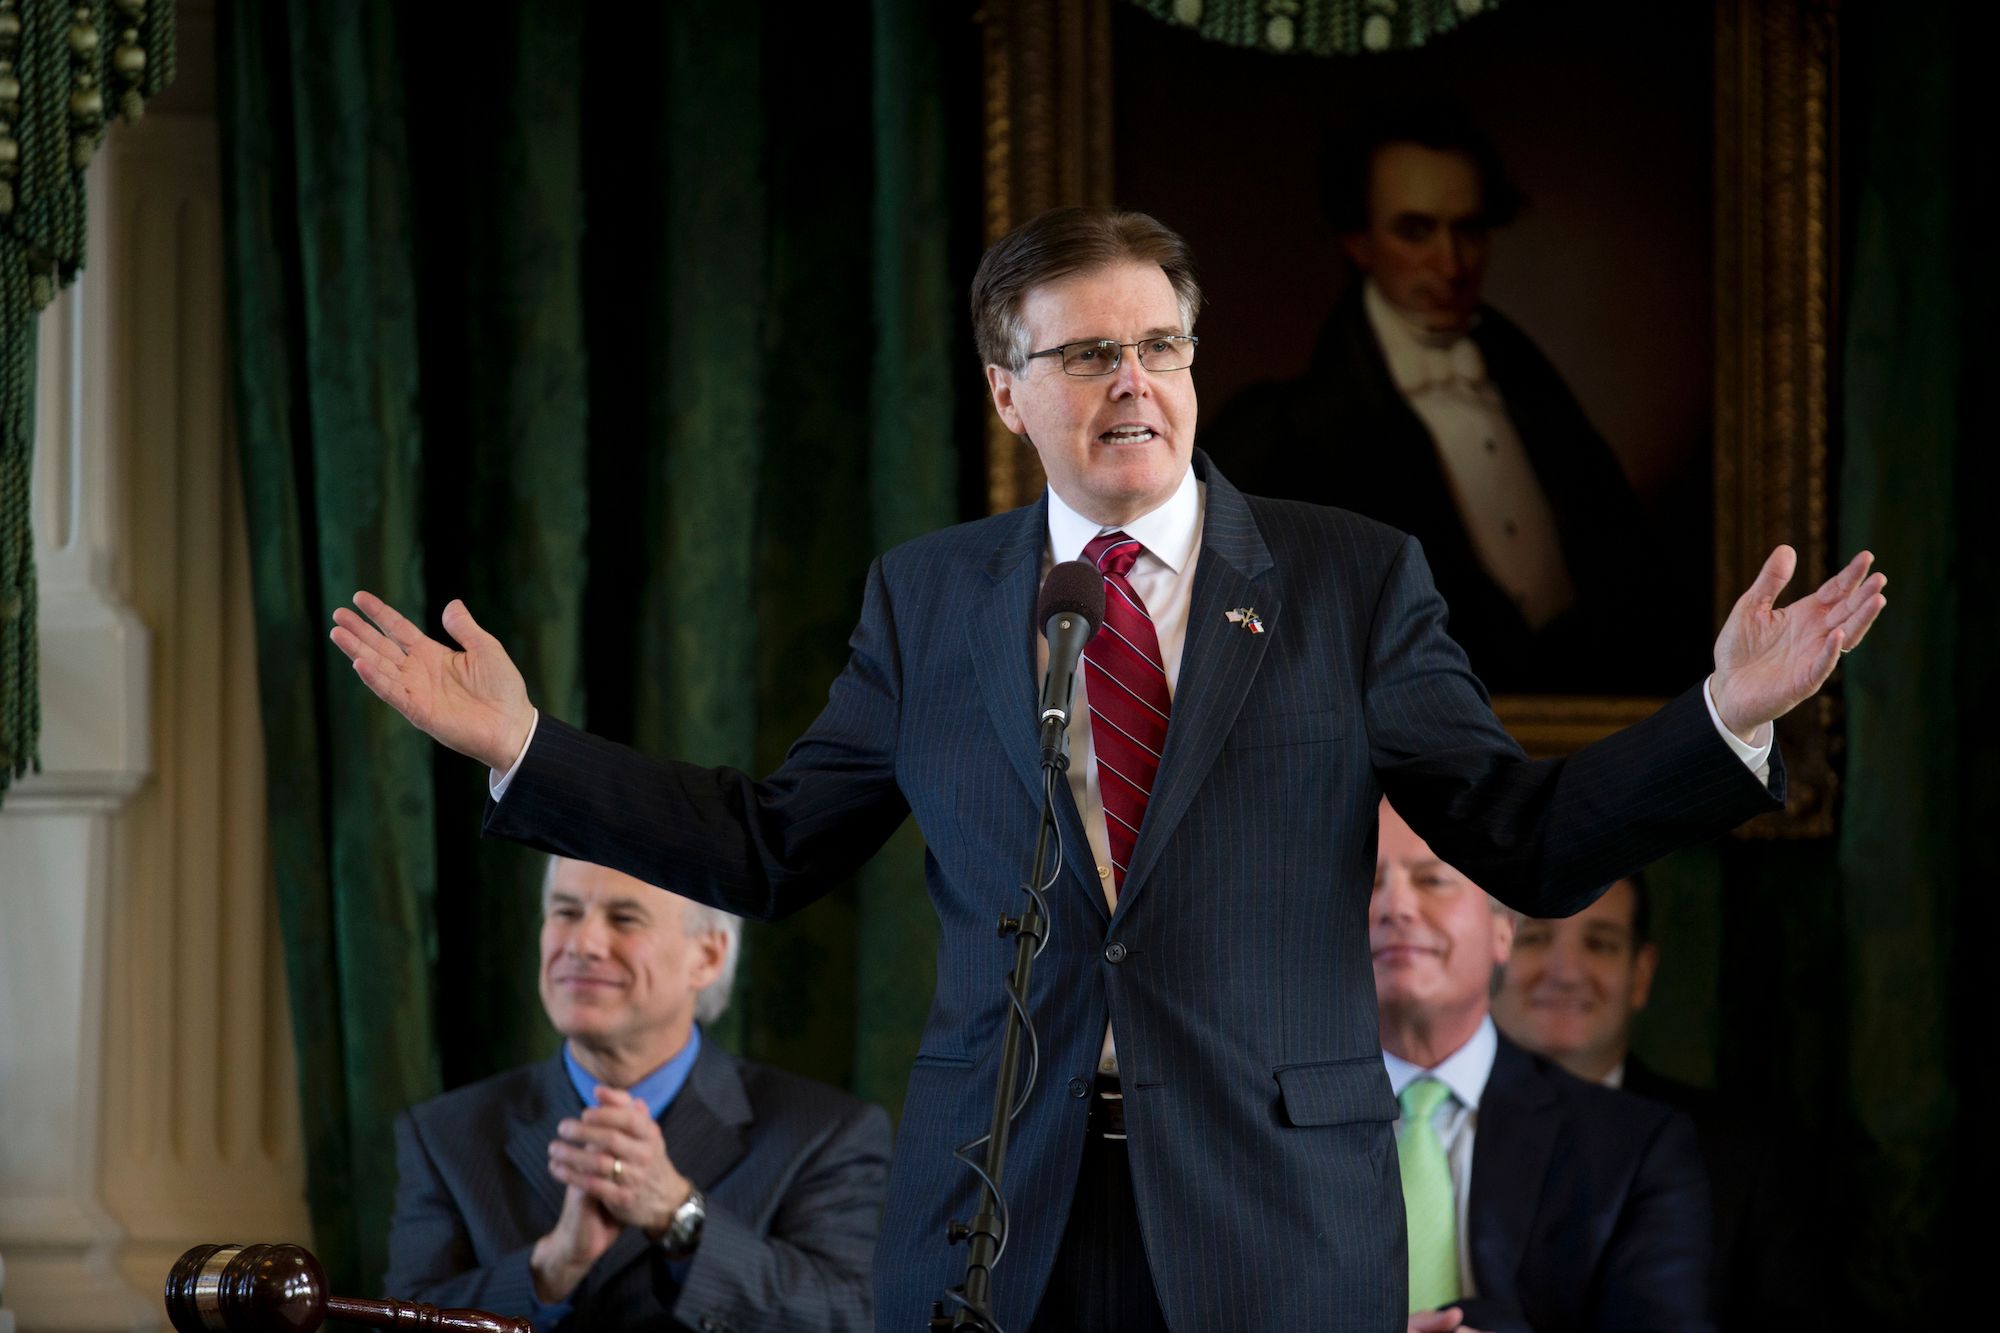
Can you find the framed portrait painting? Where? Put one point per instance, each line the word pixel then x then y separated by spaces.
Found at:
pixel 1653 318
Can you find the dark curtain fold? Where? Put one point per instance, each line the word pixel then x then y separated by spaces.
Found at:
pixel 638 328
pixel 1854 1015
pixel 1916 913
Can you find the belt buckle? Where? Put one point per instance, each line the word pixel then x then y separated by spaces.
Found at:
pixel 1107 1110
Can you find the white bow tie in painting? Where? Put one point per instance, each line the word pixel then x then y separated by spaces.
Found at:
pixel 1419 367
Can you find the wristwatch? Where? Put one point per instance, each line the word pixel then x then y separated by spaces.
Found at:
pixel 683 1231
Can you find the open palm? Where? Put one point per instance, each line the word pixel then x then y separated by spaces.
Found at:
pixel 1769 659
pixel 471 699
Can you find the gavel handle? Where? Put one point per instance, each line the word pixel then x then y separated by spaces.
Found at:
pixel 415 1315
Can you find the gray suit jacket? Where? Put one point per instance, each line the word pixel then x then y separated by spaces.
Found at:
pixel 1235 968
pixel 792 1170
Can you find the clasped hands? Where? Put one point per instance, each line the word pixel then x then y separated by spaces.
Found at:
pixel 616 1173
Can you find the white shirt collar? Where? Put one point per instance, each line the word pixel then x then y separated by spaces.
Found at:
pixel 1169 532
pixel 1616 1077
pixel 1417 358
pixel 1464 1071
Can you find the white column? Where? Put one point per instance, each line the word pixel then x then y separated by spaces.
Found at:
pixel 56 883
pixel 147 1092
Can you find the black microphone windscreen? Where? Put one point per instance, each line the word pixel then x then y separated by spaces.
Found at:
pixel 1075 587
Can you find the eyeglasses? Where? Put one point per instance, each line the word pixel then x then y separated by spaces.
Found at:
pixel 1102 356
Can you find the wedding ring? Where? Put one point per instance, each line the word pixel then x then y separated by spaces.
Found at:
pixel 617 1169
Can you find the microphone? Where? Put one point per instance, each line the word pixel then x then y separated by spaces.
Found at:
pixel 1069 612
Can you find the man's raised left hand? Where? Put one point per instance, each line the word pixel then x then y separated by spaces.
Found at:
pixel 1769 659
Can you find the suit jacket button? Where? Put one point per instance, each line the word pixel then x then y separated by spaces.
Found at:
pixel 1078 1088
pixel 1114 952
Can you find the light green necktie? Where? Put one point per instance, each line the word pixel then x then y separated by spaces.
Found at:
pixel 1428 1203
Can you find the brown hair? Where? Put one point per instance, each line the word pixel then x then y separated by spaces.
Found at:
pixel 1056 244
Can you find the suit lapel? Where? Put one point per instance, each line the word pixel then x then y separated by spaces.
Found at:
pixel 535 1127
pixel 1219 662
pixel 706 1129
pixel 1510 1158
pixel 1001 634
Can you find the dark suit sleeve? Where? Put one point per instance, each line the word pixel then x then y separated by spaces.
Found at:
pixel 759 849
pixel 1543 836
pixel 1656 1268
pixel 431 1256
pixel 1493 1316
pixel 812 1270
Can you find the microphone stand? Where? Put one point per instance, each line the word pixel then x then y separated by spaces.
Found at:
pixel 987 1232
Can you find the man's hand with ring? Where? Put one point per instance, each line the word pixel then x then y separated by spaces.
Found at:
pixel 614 1153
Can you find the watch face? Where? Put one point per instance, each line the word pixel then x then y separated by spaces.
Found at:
pixel 685 1229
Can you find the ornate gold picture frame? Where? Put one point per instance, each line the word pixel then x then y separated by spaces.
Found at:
pixel 1049 68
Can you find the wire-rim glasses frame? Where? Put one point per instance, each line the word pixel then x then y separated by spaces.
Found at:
pixel 1174 347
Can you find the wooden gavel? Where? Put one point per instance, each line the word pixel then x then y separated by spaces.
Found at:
pixel 282 1289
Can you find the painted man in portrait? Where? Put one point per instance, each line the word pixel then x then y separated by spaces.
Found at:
pixel 1426 408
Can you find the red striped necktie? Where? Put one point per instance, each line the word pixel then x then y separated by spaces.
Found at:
pixel 1126 679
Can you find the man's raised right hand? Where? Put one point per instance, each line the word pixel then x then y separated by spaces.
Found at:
pixel 472 700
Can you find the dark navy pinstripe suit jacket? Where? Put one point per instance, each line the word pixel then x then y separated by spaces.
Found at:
pixel 1240 987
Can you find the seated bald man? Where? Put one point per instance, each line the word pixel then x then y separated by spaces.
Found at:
pixel 642 1177
pixel 1533 1200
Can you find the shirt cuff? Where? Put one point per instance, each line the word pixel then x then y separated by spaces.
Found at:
pixel 1756 758
pixel 496 781
pixel 546 1317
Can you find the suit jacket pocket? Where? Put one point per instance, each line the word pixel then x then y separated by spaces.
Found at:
pixel 1256 730
pixel 1335 1092
pixel 943 1060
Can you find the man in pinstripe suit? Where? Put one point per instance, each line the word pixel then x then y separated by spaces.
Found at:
pixel 1309 672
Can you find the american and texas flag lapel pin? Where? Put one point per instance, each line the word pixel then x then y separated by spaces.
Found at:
pixel 1246 616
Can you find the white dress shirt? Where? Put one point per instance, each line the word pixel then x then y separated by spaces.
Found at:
pixel 1456 1121
pixel 1163 576
pixel 1500 500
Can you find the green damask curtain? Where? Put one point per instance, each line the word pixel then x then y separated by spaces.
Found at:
pixel 639 328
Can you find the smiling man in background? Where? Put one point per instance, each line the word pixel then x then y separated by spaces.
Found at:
pixel 1535 1202
pixel 642 1178
pixel 1570 991
pixel 1573 985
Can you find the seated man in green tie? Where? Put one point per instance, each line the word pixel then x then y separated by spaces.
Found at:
pixel 1534 1200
